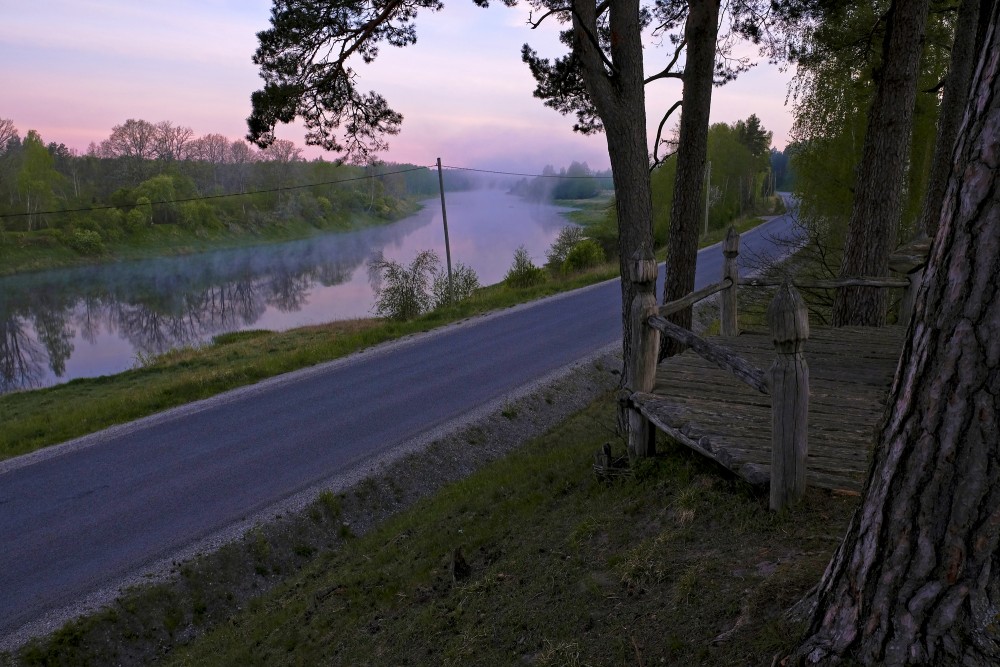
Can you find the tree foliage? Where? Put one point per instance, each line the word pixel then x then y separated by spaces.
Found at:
pixel 838 56
pixel 463 284
pixel 523 272
pixel 403 292
pixel 567 237
pixel 304 61
pixel 738 177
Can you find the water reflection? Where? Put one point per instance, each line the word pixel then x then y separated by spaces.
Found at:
pixel 58 325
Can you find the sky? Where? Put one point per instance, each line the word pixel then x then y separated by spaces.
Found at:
pixel 72 69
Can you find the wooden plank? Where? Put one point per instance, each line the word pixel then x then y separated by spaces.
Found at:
pixel 692 298
pixel 719 355
pixel 851 370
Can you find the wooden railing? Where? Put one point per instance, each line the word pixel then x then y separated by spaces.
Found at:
pixel 787 380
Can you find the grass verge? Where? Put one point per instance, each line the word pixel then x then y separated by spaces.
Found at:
pixel 530 560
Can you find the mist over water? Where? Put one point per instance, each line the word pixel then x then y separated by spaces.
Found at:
pixel 59 325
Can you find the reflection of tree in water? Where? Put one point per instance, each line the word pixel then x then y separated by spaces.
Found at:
pixel 21 358
pixel 151 331
pixel 53 331
pixel 288 292
pixel 90 315
pixel 226 307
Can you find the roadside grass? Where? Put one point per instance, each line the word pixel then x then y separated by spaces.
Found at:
pixel 531 560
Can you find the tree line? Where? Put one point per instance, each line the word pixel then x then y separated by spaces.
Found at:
pixel 578 181
pixel 131 182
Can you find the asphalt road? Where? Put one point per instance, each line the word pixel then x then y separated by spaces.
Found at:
pixel 85 515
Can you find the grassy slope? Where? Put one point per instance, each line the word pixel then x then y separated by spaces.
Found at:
pixel 677 565
pixel 564 570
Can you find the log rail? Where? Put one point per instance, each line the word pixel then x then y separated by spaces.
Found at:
pixel 787 380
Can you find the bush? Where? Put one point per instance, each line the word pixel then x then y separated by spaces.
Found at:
pixel 86 242
pixel 584 255
pixel 523 272
pixel 568 237
pixel 402 293
pixel 464 282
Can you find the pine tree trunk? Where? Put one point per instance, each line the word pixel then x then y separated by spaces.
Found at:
pixel 878 194
pixel 621 102
pixel 700 32
pixel 917 578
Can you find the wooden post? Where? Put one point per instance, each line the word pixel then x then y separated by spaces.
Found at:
pixel 641 367
pixel 727 309
pixel 910 296
pixel 789 323
pixel 447 244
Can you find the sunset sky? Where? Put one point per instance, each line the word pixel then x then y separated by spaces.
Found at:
pixel 74 68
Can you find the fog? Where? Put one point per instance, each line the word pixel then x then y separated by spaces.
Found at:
pixel 65 324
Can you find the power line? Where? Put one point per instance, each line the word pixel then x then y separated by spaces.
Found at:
pixel 285 189
pixel 512 173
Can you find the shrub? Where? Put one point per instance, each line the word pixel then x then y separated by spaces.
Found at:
pixel 86 242
pixel 464 282
pixel 568 237
pixel 523 272
pixel 402 293
pixel 584 255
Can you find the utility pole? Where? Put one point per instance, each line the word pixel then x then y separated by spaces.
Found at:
pixel 444 217
pixel 708 191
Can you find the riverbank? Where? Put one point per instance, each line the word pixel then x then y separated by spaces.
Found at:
pixel 45 249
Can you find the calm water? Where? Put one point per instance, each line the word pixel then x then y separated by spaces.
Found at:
pixel 60 325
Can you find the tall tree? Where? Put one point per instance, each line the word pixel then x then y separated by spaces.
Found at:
pixel 37 179
pixel 171 141
pixel 603 83
pixel 917 578
pixel 968 38
pixel 701 32
pixel 878 193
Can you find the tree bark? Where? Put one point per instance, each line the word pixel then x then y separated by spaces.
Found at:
pixel 956 91
pixel 884 159
pixel 620 99
pixel 701 32
pixel 917 577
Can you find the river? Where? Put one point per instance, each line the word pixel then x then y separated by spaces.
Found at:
pixel 85 322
